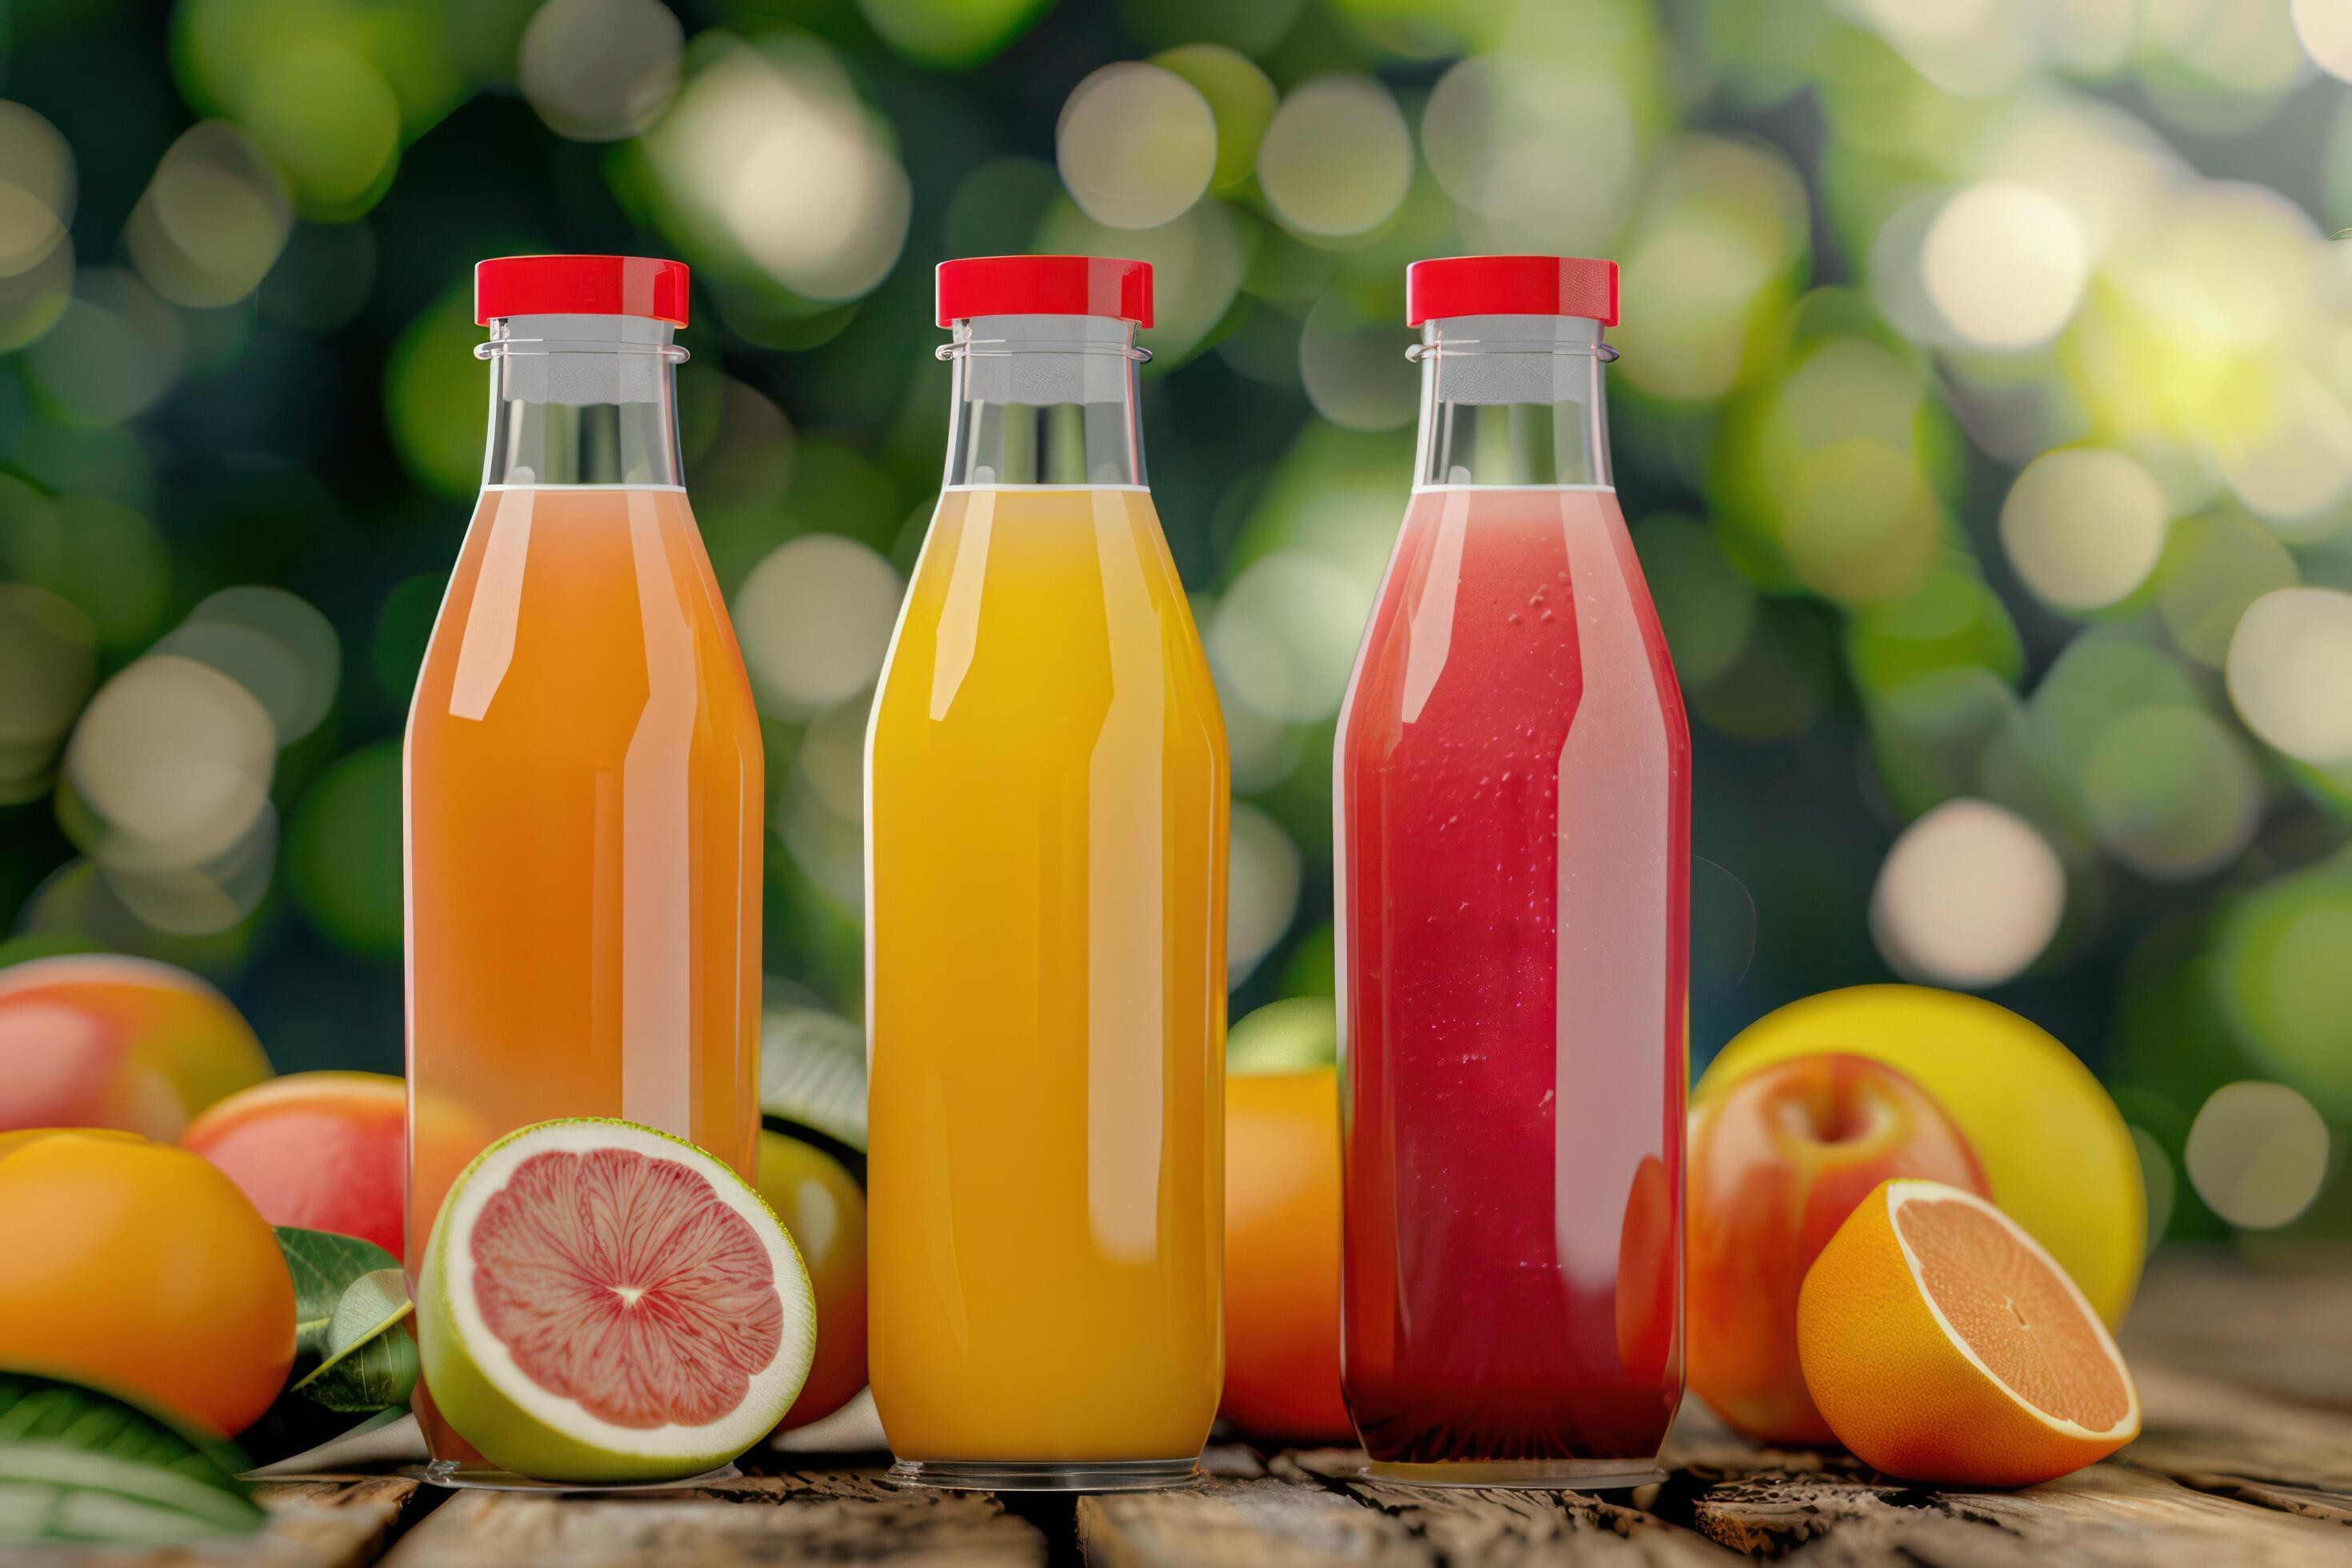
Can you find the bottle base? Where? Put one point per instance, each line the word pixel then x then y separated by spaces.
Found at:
pixel 1048 1476
pixel 1522 1474
pixel 459 1477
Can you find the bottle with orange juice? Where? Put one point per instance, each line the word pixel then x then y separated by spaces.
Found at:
pixel 1046 783
pixel 583 766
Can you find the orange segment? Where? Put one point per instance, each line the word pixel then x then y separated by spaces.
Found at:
pixel 1941 1343
pixel 2012 1310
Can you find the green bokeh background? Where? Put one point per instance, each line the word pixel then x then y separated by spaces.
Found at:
pixel 1880 260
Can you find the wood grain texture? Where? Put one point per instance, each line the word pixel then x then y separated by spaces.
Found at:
pixel 315 1522
pixel 1245 1524
pixel 2111 1514
pixel 820 1516
pixel 2286 1333
pixel 1506 1526
pixel 2218 1438
pixel 2245 1457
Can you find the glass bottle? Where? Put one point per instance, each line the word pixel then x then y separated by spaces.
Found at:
pixel 1512 847
pixel 583 766
pixel 1046 782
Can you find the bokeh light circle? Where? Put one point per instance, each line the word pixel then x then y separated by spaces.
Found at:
pixel 2257 1153
pixel 2004 264
pixel 1240 95
pixel 599 70
pixel 116 349
pixel 2216 565
pixel 172 760
pixel 2162 1185
pixel 2171 791
pixel 1136 144
pixel 2290 672
pixel 1547 157
pixel 212 221
pixel 815 618
pixel 951 33
pixel 1262 892
pixel 2285 984
pixel 1198 263
pixel 2290 462
pixel 823 813
pixel 1721 223
pixel 327 120
pixel 275 644
pixel 1347 361
pixel 2083 527
pixel 342 850
pixel 1337 158
pixel 50 649
pixel 37 189
pixel 2323 27
pixel 771 147
pixel 1862 524
pixel 1970 895
pixel 1283 639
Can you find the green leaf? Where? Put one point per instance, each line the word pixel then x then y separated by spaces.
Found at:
pixel 77 1464
pixel 368 1363
pixel 324 1265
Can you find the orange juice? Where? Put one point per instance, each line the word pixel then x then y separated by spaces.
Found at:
pixel 1048 795
pixel 1046 819
pixel 583 803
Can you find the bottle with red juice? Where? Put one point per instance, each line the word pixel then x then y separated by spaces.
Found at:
pixel 1512 847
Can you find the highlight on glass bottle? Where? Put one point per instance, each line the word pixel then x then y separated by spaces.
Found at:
pixel 1511 831
pixel 1046 799
pixel 583 768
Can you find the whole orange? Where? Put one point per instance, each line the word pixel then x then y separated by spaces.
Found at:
pixel 1776 1162
pixel 1281 1255
pixel 102 1040
pixel 822 1206
pixel 325 1151
pixel 137 1266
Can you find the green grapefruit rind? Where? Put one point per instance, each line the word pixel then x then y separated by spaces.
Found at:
pixel 510 1434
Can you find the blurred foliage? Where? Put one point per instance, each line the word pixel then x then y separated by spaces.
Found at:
pixel 1985 417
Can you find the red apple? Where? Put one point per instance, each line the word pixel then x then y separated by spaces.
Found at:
pixel 1776 1162
pixel 325 1151
pixel 102 1040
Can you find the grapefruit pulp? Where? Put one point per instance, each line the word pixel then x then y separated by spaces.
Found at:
pixel 604 1302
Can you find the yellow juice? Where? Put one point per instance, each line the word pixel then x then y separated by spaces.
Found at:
pixel 1046 814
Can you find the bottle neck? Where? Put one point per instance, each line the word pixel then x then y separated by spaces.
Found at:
pixel 1513 401
pixel 581 400
pixel 1045 400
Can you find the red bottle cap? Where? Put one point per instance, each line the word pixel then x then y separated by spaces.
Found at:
pixel 1045 286
pixel 579 286
pixel 1510 286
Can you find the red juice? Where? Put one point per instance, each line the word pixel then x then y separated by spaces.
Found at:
pixel 1512 846
pixel 1514 773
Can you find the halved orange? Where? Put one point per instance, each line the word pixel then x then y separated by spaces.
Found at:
pixel 1942 1343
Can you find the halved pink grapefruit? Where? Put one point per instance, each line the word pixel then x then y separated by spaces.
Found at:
pixel 604 1302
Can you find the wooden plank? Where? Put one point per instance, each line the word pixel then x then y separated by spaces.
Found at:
pixel 316 1521
pixel 2109 1514
pixel 831 1516
pixel 2286 1333
pixel 1500 1525
pixel 1245 1524
pixel 2218 1438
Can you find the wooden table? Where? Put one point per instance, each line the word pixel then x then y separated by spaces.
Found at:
pixel 2247 1457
